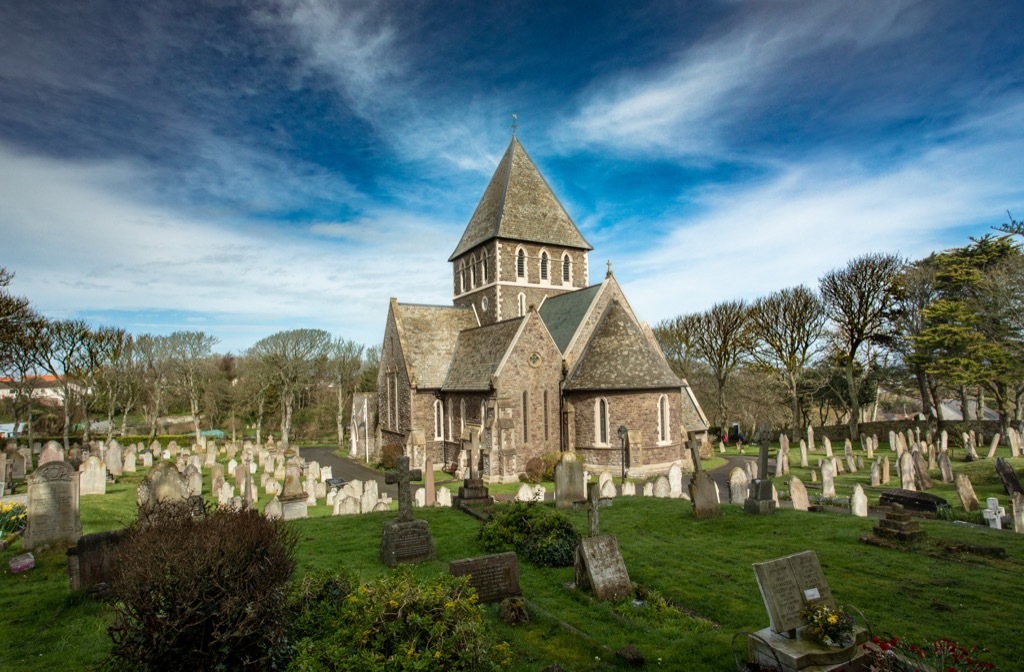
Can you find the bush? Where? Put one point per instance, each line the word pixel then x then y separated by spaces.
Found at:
pixel 205 593
pixel 393 623
pixel 543 535
pixel 389 454
pixel 550 460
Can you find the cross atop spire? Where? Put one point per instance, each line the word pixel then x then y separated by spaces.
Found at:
pixel 609 267
pixel 515 124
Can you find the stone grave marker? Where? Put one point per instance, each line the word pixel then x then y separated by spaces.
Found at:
pixel 859 502
pixel 1018 512
pixel 444 496
pixel 419 498
pixel 661 488
pixel 828 482
pixel 53 516
pixel 345 505
pixel 293 498
pixel 570 485
pixel 810 438
pixel 738 485
pixel 629 489
pixel 405 539
pixel 608 490
pixel 273 510
pixel 93 477
pixel 430 492
pixel 798 494
pixel 885 470
pixel 605 477
pixel 52 452
pixel 525 493
pixel 913 500
pixel 906 469
pixel 114 459
pixel 945 467
pixel 494 577
pixel 921 476
pixel 599 565
pixel 130 461
pixel 828 447
pixel 994 446
pixel 1008 477
pixel 704 495
pixel 876 473
pixel 788 585
pixel 803 454
pixel 675 481
pixel 91 561
pixel 163 485
pixel 994 513
pixel 194 480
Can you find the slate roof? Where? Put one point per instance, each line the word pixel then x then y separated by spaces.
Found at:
pixel 519 205
pixel 563 313
pixel 619 357
pixel 428 335
pixel 478 353
pixel 693 419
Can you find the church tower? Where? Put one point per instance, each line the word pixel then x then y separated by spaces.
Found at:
pixel 519 247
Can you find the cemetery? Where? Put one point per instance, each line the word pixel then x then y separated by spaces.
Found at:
pixel 653 580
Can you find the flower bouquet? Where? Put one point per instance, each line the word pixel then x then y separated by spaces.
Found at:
pixel 831 627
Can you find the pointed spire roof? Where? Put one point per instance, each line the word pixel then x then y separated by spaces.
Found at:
pixel 518 204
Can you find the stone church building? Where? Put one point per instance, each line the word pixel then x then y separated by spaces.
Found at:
pixel 530 358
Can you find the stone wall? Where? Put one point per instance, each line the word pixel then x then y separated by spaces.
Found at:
pixel 638 411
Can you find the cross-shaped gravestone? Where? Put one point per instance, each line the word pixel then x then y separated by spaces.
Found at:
pixel 762 460
pixel 593 523
pixel 994 513
pixel 695 453
pixel 403 476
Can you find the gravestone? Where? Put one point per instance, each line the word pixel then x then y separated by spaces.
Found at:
pixel 994 513
pixel 430 493
pixel 704 495
pixel 273 510
pixel 810 438
pixel 608 490
pixel 738 485
pixel 525 493
pixel 494 577
pixel 966 492
pixel 93 477
pixel 945 467
pixel 570 485
pixel 444 496
pixel 803 454
pixel 913 500
pixel 473 492
pixel 994 446
pixel 921 476
pixel 163 486
pixel 1008 477
pixel 599 564
pixel 52 452
pixel 876 474
pixel 885 470
pixel 293 498
pixel 675 481
pixel 788 585
pixel 906 469
pixel 629 489
pixel 661 489
pixel 798 494
pixel 91 561
pixel 194 480
pixel 129 463
pixel 1018 512
pixel 345 505
pixel 859 502
pixel 648 490
pixel 114 459
pixel 898 526
pixel 604 477
pixel 53 516
pixel 828 482
pixel 405 539
pixel 147 459
pixel 828 447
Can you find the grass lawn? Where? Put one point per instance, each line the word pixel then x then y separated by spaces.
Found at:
pixel 702 565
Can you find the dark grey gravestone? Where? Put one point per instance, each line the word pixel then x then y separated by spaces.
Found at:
pixel 913 500
pixel 405 540
pixel 91 560
pixel 494 577
pixel 704 495
pixel 1008 477
pixel 600 568
pixel 569 482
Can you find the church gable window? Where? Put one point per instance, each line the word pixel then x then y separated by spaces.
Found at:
pixel 438 420
pixel 520 263
pixel 483 268
pixel 472 272
pixel 543 265
pixel 601 422
pixel 566 269
pixel 526 417
pixel 663 418
pixel 522 304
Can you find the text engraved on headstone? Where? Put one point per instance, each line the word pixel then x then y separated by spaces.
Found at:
pixel 787 585
pixel 494 577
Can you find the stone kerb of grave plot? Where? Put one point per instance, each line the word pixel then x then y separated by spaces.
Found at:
pixel 405 540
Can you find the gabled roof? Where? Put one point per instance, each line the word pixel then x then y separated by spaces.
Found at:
pixel 428 335
pixel 478 353
pixel 518 204
pixel 563 313
pixel 620 357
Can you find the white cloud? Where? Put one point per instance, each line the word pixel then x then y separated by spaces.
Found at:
pixel 750 240
pixel 81 244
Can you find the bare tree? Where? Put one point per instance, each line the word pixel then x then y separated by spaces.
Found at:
pixel 255 381
pixel 190 353
pixel 60 348
pixel 722 338
pixel 96 353
pixel 860 301
pixel 343 364
pixel 787 326
pixel 292 357
pixel 676 336
pixel 154 363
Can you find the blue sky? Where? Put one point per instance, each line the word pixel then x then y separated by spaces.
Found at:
pixel 243 168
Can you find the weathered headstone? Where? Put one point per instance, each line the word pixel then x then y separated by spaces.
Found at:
pixel 599 565
pixel 798 494
pixel 994 446
pixel 294 500
pixel 629 489
pixel 913 500
pixel 662 489
pixel 828 482
pixel 738 485
pixel 93 477
pixel 803 454
pixel 569 482
pixel 788 585
pixel 921 475
pixel 966 492
pixel 648 490
pixel 113 456
pixel 429 493
pixel 608 490
pixel 494 577
pixel 704 495
pixel 945 467
pixel 906 469
pixel 405 539
pixel 444 496
pixel 876 473
pixel 1018 512
pixel 675 481
pixel 994 513
pixel 859 502
pixel 91 561
pixel 344 505
pixel 273 510
pixel 1008 477
pixel 828 447
pixel 53 517
pixel 525 493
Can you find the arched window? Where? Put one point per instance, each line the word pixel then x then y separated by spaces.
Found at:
pixel 483 267
pixel 522 304
pixel 438 420
pixel 462 277
pixel 663 429
pixel 483 413
pixel 543 265
pixel 545 415
pixel 601 422
pixel 472 272
pixel 462 417
pixel 566 269
pixel 526 417
pixel 520 264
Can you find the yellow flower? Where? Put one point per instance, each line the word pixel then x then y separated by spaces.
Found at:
pixel 833 619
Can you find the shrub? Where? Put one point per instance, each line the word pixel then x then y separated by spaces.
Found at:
pixel 389 454
pixel 12 518
pixel 534 470
pixel 550 460
pixel 543 535
pixel 201 592
pixel 392 623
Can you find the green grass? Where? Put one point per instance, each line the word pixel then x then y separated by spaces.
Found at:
pixel 703 565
